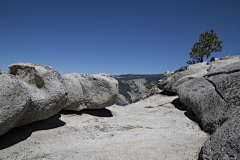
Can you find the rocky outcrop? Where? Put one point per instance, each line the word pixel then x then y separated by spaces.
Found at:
pixel 121 101
pixel 219 63
pixel 214 97
pixel 153 128
pixel 134 87
pixel 75 92
pixel 186 73
pixel 45 87
pixel 95 91
pixel 225 142
pixel 31 92
pixel 14 101
pixel 154 90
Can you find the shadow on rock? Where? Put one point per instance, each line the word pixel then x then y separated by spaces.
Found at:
pixel 99 112
pixel 19 134
pixel 94 112
pixel 188 112
pixel 167 93
pixel 177 104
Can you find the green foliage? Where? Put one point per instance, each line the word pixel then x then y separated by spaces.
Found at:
pixel 208 42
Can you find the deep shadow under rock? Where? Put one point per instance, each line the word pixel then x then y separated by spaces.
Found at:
pixel 188 112
pixel 19 134
pixel 94 112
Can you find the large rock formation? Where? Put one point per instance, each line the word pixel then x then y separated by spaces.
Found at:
pixel 31 92
pixel 186 73
pixel 95 91
pixel 153 128
pixel 14 101
pixel 214 97
pixel 45 87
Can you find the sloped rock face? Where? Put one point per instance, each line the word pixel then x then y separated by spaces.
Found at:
pixel 225 142
pixel 223 62
pixel 95 91
pixel 214 98
pixel 46 89
pixel 186 73
pixel 14 101
pixel 136 89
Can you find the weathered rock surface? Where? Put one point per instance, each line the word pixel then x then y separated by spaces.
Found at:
pixel 99 90
pixel 225 142
pixel 75 92
pixel 45 87
pixel 134 87
pixel 205 102
pixel 137 88
pixel 95 91
pixel 186 73
pixel 14 101
pixel 150 129
pixel 154 90
pixel 31 92
pixel 223 62
pixel 214 98
pixel 121 101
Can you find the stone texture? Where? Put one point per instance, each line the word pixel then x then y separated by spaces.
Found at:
pixel 154 90
pixel 225 142
pixel 96 91
pixel 150 129
pixel 32 92
pixel 226 81
pixel 215 99
pixel 223 62
pixel 99 90
pixel 45 87
pixel 186 73
pixel 75 92
pixel 201 96
pixel 214 96
pixel 14 101
pixel 121 101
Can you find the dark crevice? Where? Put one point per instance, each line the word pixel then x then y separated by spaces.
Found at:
pixel 39 81
pixel 222 72
pixel 216 90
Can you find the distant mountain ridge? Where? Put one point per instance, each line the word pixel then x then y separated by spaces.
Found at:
pixel 134 86
pixel 136 76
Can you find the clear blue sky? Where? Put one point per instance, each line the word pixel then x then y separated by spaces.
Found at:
pixel 113 36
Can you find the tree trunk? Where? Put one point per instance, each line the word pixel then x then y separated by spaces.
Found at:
pixel 201 59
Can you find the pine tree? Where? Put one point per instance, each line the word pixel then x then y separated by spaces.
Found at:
pixel 208 42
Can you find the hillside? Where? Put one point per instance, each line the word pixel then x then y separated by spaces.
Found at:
pixel 134 86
